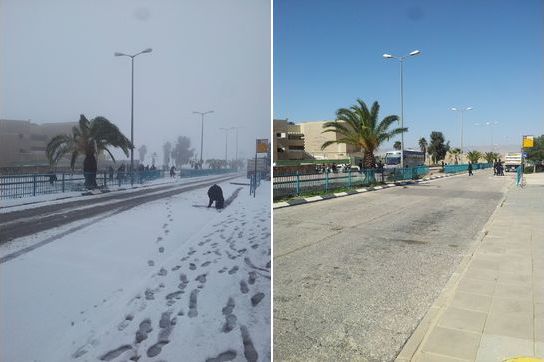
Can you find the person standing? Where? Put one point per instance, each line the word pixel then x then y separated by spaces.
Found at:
pixel 470 169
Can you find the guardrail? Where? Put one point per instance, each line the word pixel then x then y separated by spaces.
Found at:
pixel 298 183
pixel 16 186
pixel 464 167
pixel 191 172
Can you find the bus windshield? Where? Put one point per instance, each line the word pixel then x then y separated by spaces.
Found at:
pixel 392 160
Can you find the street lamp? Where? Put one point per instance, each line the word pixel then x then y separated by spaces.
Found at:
pixel 202 114
pixel 401 60
pixel 462 111
pixel 226 140
pixel 237 128
pixel 117 54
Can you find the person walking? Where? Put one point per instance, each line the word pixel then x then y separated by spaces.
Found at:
pixel 173 171
pixel 470 169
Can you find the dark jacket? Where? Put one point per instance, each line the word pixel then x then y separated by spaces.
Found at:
pixel 216 194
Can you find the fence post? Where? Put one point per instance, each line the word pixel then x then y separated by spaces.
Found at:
pixel 349 178
pixel 326 180
pixel 34 185
pixel 105 179
pixel 298 184
pixel 63 182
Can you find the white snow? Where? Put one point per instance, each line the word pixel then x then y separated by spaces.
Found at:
pixel 9 205
pixel 87 293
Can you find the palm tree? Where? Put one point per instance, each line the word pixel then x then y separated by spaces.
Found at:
pixel 90 139
pixel 423 146
pixel 397 145
pixel 474 156
pixel 358 126
pixel 455 153
pixel 490 157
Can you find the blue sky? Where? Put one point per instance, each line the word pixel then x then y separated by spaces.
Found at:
pixel 484 54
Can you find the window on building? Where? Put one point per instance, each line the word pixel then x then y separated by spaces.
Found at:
pixel 296 148
pixel 295 137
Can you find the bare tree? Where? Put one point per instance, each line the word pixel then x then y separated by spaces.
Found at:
pixel 142 151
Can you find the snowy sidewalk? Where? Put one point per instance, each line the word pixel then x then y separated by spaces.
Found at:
pixel 493 308
pixel 164 280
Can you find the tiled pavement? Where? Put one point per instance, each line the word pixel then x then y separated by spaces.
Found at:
pixel 493 306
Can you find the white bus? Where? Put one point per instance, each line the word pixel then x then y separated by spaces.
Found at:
pixel 412 158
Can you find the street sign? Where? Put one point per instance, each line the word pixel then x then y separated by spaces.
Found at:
pixel 262 145
pixel 528 141
pixel 525 154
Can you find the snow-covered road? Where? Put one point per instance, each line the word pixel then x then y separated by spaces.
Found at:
pixel 164 281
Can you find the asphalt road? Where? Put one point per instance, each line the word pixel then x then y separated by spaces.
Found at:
pixel 353 276
pixel 30 221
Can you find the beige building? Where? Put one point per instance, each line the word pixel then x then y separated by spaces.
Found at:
pixel 23 143
pixel 288 141
pixel 315 138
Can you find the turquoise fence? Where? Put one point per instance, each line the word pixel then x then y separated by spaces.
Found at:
pixel 464 167
pixel 16 186
pixel 299 183
pixel 519 175
pixel 191 172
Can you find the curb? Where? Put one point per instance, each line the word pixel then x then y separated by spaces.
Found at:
pixel 310 199
pixel 412 345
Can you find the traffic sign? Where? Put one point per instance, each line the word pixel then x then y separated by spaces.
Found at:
pixel 528 141
pixel 262 145
pixel 525 154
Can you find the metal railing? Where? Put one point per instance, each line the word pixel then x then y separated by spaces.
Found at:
pixel 191 172
pixel 464 167
pixel 298 183
pixel 519 176
pixel 17 186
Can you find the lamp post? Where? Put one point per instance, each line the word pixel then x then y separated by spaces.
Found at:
pixel 226 140
pixel 117 54
pixel 401 60
pixel 202 114
pixel 237 128
pixel 462 111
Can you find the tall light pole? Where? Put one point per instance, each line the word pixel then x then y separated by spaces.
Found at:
pixel 237 128
pixel 401 60
pixel 117 54
pixel 202 114
pixel 226 140
pixel 462 111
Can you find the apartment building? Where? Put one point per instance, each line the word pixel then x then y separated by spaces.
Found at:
pixel 315 138
pixel 288 141
pixel 23 143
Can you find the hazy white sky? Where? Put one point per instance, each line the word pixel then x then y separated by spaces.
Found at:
pixel 56 62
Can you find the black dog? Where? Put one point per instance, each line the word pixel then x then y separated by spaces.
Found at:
pixel 216 194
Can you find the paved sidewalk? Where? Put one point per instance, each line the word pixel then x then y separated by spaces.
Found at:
pixel 492 308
